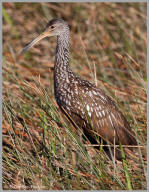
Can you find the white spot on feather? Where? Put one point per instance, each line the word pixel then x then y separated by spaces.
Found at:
pixel 95 93
pixel 100 114
pixel 87 107
pixel 111 120
pixel 113 115
pixel 103 113
pixel 69 96
pixel 96 113
pixel 103 97
pixel 89 113
pixel 90 94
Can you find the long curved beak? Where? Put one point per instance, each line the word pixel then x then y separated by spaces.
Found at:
pixel 34 41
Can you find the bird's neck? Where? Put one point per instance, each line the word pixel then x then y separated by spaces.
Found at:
pixel 61 66
pixel 62 53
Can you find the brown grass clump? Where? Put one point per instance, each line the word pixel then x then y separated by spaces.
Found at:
pixel 41 150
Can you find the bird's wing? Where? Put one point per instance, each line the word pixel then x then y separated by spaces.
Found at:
pixel 106 119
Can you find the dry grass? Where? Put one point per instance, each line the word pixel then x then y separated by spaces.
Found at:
pixel 41 150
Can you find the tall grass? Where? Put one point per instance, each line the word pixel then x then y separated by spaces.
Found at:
pixel 41 149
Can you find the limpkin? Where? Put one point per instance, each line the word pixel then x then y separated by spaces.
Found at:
pixel 81 101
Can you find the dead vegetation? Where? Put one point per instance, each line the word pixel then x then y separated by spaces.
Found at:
pixel 41 150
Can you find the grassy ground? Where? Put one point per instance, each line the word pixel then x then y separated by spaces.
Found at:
pixel 41 150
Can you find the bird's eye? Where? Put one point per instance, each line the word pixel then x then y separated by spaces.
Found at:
pixel 52 27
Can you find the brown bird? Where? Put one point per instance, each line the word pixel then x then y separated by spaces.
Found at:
pixel 87 106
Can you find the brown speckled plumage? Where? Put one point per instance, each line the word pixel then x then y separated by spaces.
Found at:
pixel 82 101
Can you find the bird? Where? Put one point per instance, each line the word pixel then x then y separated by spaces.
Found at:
pixel 84 104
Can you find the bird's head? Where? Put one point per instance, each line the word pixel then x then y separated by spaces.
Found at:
pixel 55 27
